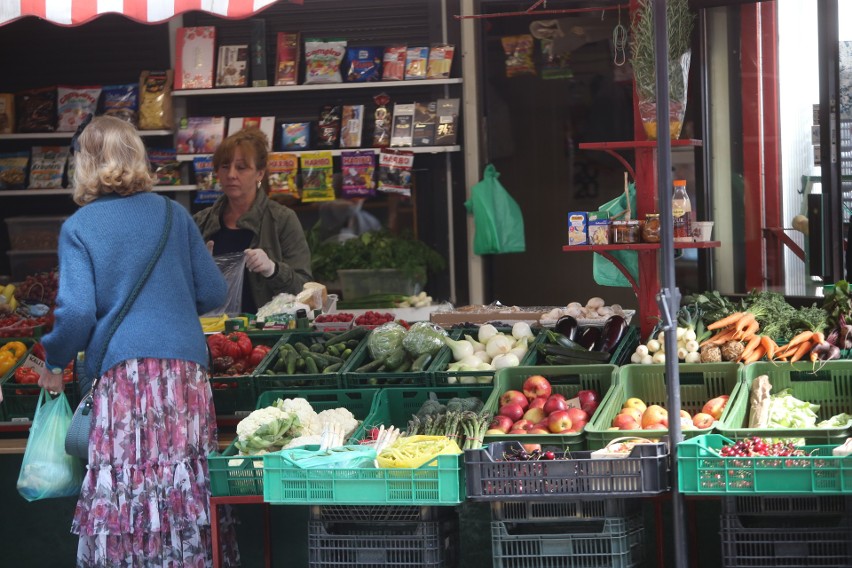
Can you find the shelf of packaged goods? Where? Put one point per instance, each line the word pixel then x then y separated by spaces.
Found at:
pixel 638 247
pixel 318 87
pixel 67 191
pixel 59 135
pixel 337 151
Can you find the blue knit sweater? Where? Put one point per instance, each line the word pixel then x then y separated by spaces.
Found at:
pixel 103 250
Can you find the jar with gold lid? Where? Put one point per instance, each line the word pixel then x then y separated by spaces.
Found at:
pixel 651 230
pixel 625 232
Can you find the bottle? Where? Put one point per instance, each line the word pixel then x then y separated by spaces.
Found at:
pixel 681 212
pixel 301 319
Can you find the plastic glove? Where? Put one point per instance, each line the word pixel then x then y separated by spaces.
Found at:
pixel 258 261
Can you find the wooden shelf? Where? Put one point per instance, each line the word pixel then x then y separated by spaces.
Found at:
pixel 35 192
pixel 631 144
pixel 379 85
pixel 337 151
pixel 638 247
pixel 60 135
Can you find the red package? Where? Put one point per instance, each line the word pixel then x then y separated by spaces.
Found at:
pixel 393 66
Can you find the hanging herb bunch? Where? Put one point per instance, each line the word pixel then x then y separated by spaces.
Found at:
pixel 679 29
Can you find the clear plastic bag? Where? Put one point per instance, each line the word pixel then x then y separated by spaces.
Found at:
pixel 47 471
pixel 233 268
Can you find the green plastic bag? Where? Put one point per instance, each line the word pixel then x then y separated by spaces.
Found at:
pixel 497 218
pixel 605 272
pixel 47 471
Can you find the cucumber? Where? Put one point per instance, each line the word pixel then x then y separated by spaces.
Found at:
pixel 421 362
pixel 354 333
pixel 311 365
pixel 300 363
pixel 371 366
pixel 317 348
pixel 346 353
pixel 396 358
pixel 302 348
pixel 404 368
pixel 333 368
pixel 352 344
pixel 292 361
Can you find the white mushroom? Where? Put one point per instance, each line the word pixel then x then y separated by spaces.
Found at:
pixel 595 303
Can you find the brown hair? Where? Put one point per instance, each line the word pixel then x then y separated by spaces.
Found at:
pixel 251 141
pixel 111 159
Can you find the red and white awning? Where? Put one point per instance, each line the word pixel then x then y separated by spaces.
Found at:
pixel 76 12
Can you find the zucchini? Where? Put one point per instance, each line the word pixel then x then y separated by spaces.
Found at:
pixel 352 344
pixel 594 356
pixel 396 358
pixel 404 368
pixel 558 339
pixel 421 362
pixel 354 333
pixel 371 366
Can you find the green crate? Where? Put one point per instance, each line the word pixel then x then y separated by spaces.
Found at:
pixel 438 482
pixel 278 380
pixel 828 384
pixel 442 377
pixel 361 356
pixel 230 476
pixel 394 407
pixel 20 401
pixel 699 382
pixel 566 380
pixel 702 471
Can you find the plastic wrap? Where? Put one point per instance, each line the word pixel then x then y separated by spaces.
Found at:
pixel 233 268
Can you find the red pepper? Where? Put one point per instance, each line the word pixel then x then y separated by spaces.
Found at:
pixel 257 355
pixel 26 376
pixel 238 345
pixel 216 342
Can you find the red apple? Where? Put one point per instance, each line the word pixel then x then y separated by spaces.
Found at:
pixel 578 426
pixel 557 395
pixel 513 396
pixel 654 414
pixel 555 403
pixel 715 406
pixel 559 421
pixel 577 415
pixel 502 423
pixel 587 397
pixel 537 385
pixel 657 426
pixel 703 420
pixel 535 415
pixel 538 430
pixel 494 432
pixel 522 425
pixel 634 413
pixel 539 402
pixel 625 421
pixel 590 407
pixel 517 432
pixel 513 410
pixel 541 424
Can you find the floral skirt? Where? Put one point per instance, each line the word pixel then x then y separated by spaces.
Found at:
pixel 145 496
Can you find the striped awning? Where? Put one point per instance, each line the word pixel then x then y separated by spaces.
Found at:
pixel 76 12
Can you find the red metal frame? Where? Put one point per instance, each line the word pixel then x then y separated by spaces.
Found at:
pixel 771 140
pixel 214 525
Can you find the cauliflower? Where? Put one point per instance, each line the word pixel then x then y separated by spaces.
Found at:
pixel 303 411
pixel 265 429
pixel 311 440
pixel 340 416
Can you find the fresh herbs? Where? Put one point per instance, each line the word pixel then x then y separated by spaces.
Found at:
pixel 713 306
pixel 376 250
pixel 838 305
pixel 679 28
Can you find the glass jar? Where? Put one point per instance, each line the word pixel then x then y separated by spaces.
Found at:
pixel 625 232
pixel 651 230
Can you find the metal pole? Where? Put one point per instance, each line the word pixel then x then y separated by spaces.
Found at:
pixel 669 296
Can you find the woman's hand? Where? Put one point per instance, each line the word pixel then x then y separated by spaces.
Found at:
pixel 52 381
pixel 258 261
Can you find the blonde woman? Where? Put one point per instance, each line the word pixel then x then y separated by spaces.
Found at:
pixel 145 497
pixel 244 219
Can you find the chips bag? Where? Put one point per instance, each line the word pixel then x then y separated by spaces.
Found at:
pixel 209 189
pixel 358 169
pixel 440 61
pixel 322 61
pixel 317 172
pixel 296 136
pixel 365 64
pixel 155 104
pixel 395 171
pixel 47 166
pixel 393 65
pixel 36 110
pixel 121 101
pixel 165 166
pixel 416 59
pixel 282 169
pixel 519 55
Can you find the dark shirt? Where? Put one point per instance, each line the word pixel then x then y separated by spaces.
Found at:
pixel 236 240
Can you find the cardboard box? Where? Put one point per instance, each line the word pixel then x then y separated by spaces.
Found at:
pixel 200 134
pixel 287 60
pixel 266 124
pixel 232 68
pixel 352 125
pixel 577 222
pixel 446 133
pixel 402 134
pixel 196 51
pixel 425 121
pixel 258 53
pixel 486 314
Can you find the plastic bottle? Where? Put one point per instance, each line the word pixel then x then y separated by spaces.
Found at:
pixel 681 212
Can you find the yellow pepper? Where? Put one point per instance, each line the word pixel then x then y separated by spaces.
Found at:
pixel 16 348
pixel 7 361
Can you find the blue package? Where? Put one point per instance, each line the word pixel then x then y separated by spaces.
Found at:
pixel 365 64
pixel 296 136
pixel 121 101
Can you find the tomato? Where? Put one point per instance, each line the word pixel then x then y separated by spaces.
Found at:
pixel 216 342
pixel 26 376
pixel 257 355
pixel 238 345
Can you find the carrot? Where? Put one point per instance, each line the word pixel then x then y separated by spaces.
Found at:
pixel 720 338
pixel 726 321
pixel 803 348
pixel 756 355
pixel 750 346
pixel 769 346
pixel 745 321
pixel 747 333
pixel 818 337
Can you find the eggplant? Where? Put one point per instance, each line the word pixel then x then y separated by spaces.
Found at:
pixel 613 330
pixel 567 326
pixel 589 337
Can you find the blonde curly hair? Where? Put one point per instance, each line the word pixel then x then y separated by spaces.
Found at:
pixel 111 159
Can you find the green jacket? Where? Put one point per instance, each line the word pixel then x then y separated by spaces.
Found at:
pixel 279 233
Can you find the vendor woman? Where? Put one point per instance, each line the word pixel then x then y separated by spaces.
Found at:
pixel 244 219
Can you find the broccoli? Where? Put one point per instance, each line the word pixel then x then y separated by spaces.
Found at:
pixel 431 408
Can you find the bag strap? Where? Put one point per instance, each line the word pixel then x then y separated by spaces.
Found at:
pixel 135 293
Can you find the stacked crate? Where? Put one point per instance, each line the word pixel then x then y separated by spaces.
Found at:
pixel 387 536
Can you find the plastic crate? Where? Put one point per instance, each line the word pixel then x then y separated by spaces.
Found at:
pixel 22 263
pixel 702 471
pixel 563 511
pixel 615 543
pixel 230 476
pixel 394 407
pixel 829 385
pixel 490 478
pixel 372 544
pixel 20 401
pixel 264 381
pixel 699 382
pixel 814 531
pixel 438 482
pixel 442 377
pixel 34 233
pixel 376 513
pixel 567 380
pixel 354 379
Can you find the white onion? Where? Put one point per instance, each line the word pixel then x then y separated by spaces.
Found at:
pixel 477 346
pixel 498 345
pixel 486 358
pixel 521 329
pixel 486 332
pixel 505 360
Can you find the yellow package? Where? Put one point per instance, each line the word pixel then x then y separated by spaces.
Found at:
pixel 414 451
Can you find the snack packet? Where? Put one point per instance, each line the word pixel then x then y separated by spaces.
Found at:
pixel 317 183
pixel 75 104
pixel 416 59
pixel 165 166
pixel 519 55
pixel 7 113
pixel 382 121
pixel 296 136
pixel 282 169
pixel 36 110
pixel 155 100
pixel 440 61
pixel 287 64
pixel 328 127
pixel 351 126
pixel 322 61
pixel 393 65
pixel 47 166
pixel 358 169
pixel 395 171
pixel 209 189
pixel 365 64
pixel 13 170
pixel 121 101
